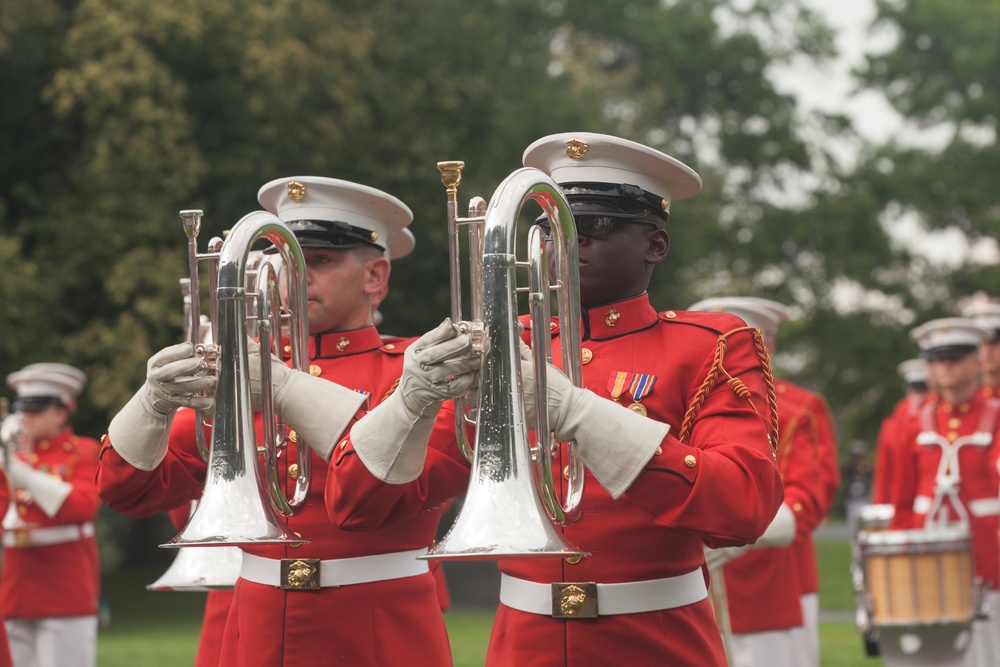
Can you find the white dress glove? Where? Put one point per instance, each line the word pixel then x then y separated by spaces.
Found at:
pixel 716 558
pixel 614 442
pixel 47 491
pixel 391 440
pixel 319 410
pixel 140 431
pixel 781 531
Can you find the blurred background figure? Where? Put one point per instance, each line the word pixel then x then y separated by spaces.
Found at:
pixel 857 476
pixel 51 574
pixel 913 373
pixel 945 494
pixel 987 314
pixel 772 620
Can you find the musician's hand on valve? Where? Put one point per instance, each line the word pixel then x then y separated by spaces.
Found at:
pixel 614 442
pixel 317 409
pixel 391 440
pixel 438 366
pixel 174 379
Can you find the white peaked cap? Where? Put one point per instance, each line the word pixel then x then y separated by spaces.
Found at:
pixel 912 371
pixel 332 213
pixel 48 380
pixel 586 157
pixel 950 332
pixel 985 312
pixel 764 314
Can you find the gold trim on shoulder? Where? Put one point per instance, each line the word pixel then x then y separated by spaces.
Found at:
pixel 576 149
pixel 296 190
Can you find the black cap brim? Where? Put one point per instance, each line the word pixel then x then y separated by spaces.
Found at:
pixel 948 352
pixel 36 403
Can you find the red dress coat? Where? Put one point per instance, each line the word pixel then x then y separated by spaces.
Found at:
pixel 891 441
pixel 217 604
pixel 718 485
pixel 763 587
pixel 395 622
pixel 815 415
pixel 979 482
pixel 61 579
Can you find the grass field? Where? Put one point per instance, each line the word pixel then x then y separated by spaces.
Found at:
pixel 161 629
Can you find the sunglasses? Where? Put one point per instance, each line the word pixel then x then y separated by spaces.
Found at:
pixel 596 226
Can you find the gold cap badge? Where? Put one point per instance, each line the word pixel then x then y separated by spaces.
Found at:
pixel 296 191
pixel 576 149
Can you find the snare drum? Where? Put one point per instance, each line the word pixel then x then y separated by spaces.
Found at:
pixel 875 517
pixel 918 577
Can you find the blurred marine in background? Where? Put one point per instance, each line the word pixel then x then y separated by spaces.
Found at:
pixel 764 586
pixel 51 573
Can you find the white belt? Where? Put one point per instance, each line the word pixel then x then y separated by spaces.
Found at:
pixel 984 507
pixel 980 507
pixel 588 600
pixel 22 538
pixel 313 573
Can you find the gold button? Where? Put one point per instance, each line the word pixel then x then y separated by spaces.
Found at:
pixel 586 355
pixel 566 472
pixel 342 344
pixel 954 422
pixel 797 507
pixel 390 346
pixel 293 471
pixel 293 436
pixel 659 450
pixel 43 445
pixel 669 314
pixel 573 560
pixel 690 461
pixel 296 546
pixel 315 370
pixel 287 349
pixel 952 436
pixel 963 408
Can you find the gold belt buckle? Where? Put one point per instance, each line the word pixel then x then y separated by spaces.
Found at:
pixel 22 538
pixel 574 600
pixel 300 574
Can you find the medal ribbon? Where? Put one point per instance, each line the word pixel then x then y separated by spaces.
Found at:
pixel 639 385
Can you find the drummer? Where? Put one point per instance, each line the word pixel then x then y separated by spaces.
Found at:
pixel 959 425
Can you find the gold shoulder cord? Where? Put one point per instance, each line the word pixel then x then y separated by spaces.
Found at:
pixel 737 386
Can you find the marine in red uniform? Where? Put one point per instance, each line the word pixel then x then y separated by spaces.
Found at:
pixel 892 432
pixel 373 603
pixel 51 573
pixel 814 415
pixel 951 461
pixel 987 313
pixel 210 570
pixel 10 429
pixel 690 463
pixel 763 585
